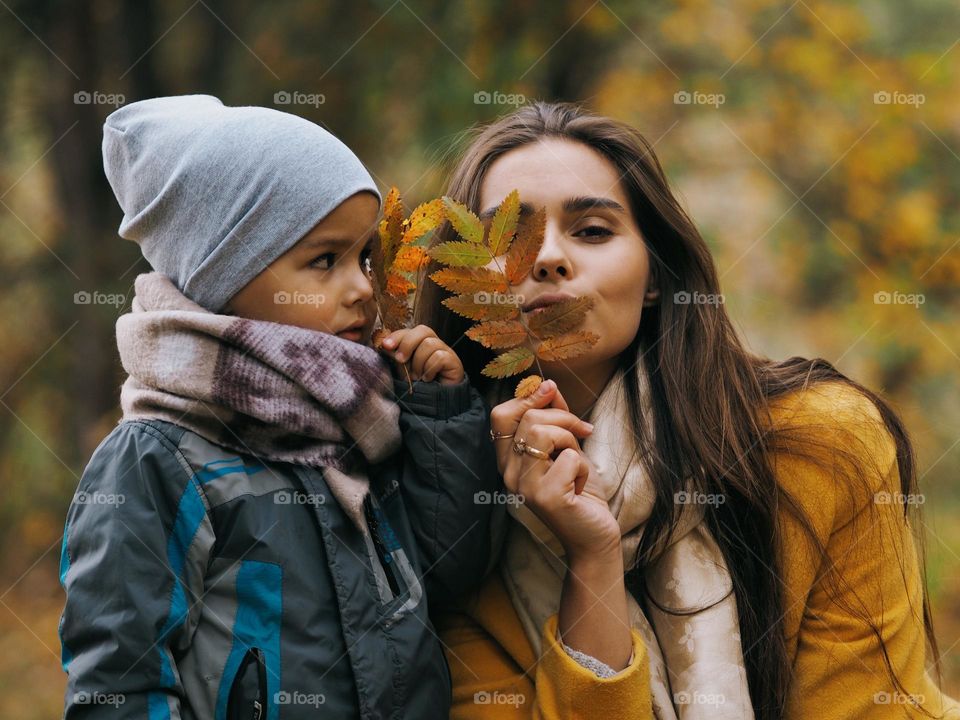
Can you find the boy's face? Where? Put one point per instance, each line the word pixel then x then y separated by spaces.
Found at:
pixel 321 283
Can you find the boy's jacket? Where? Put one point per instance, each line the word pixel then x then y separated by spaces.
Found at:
pixel 205 584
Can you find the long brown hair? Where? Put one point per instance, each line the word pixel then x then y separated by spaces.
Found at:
pixel 710 397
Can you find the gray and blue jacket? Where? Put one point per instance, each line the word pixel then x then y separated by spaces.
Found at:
pixel 202 584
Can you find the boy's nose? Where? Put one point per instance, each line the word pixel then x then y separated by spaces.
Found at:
pixel 361 288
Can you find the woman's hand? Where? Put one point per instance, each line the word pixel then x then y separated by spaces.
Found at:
pixel 430 358
pixel 593 616
pixel 552 484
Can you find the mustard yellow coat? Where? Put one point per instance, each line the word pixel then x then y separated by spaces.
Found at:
pixel 839 670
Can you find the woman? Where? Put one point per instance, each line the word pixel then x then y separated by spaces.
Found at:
pixel 729 538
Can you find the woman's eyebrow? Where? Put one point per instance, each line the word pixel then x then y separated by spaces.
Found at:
pixel 572 205
pixel 584 203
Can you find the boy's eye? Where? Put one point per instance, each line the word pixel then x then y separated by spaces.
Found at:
pixel 324 262
pixel 327 260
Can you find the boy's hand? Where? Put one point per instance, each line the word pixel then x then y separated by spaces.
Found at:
pixel 430 358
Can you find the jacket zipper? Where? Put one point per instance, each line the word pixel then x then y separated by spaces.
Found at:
pixel 384 556
pixel 243 707
pixel 260 704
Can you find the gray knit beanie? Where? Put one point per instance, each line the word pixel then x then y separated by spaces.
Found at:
pixel 213 194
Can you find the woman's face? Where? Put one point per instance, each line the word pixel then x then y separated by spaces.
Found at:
pixel 592 245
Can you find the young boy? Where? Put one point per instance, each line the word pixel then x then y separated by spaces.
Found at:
pixel 250 540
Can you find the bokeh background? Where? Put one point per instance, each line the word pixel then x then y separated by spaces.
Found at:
pixel 816 143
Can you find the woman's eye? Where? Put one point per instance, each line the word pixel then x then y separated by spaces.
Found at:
pixel 324 262
pixel 365 260
pixel 594 231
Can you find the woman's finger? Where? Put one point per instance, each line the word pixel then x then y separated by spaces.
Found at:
pixel 569 469
pixel 583 474
pixel 548 439
pixel 558 401
pixel 528 469
pixel 506 416
pixel 546 483
pixel 557 417
pixel 535 421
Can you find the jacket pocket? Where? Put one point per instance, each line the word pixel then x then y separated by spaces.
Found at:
pixel 248 693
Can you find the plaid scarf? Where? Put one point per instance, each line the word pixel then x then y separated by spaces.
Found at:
pixel 274 391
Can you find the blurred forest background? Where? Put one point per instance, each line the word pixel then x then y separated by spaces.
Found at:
pixel 816 144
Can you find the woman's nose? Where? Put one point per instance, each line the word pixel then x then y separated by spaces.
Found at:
pixel 552 262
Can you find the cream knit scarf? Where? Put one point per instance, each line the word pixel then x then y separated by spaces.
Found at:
pixel 690 630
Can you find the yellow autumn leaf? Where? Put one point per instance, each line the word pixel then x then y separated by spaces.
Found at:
pixel 470 280
pixel 461 254
pixel 560 317
pixel 509 363
pixel 378 266
pixel 504 224
pixel 399 286
pixel 464 221
pixel 567 346
pixel 425 217
pixel 410 258
pixel 526 246
pixel 482 307
pixel 394 312
pixel 391 224
pixel 528 386
pixel 498 334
